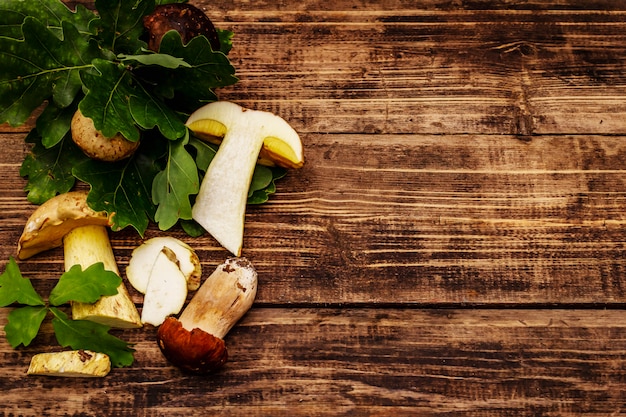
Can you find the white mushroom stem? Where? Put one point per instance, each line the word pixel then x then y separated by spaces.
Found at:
pixel 85 246
pixel 221 201
pixel 225 296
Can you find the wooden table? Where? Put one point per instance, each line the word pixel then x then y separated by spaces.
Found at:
pixel 454 244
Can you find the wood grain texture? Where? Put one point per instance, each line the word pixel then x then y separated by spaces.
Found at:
pixel 361 362
pixel 454 244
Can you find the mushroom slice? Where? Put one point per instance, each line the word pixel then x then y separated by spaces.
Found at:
pixel 144 256
pixel 71 363
pixel 221 201
pixel 166 290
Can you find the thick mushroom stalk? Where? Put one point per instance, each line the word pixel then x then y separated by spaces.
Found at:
pixel 67 220
pixel 195 341
pixel 221 201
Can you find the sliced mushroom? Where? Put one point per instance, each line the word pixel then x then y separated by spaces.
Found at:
pixel 67 220
pixel 71 363
pixel 221 202
pixel 143 257
pixel 166 291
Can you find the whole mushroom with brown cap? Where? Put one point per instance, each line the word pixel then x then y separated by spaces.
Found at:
pixel 195 341
pixel 188 20
pixel 66 220
pixel 97 146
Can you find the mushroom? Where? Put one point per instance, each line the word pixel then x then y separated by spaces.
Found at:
pixel 70 363
pixel 221 201
pixel 166 290
pixel 97 146
pixel 145 255
pixel 195 341
pixel 66 220
pixel 184 18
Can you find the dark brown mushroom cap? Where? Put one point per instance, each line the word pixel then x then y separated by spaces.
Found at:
pixel 194 351
pixel 185 18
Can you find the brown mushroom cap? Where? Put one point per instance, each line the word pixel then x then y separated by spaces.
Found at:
pixel 97 146
pixel 194 351
pixel 54 219
pixel 188 20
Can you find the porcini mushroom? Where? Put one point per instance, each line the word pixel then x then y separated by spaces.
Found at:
pixel 195 341
pixel 70 363
pixel 166 290
pixel 144 256
pixel 186 19
pixel 97 146
pixel 67 220
pixel 221 201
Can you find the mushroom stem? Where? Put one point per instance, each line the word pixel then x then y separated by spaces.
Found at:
pixel 237 156
pixel 85 246
pixel 225 296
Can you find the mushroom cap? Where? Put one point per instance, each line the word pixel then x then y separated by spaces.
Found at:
pixel 184 18
pixel 97 146
pixel 194 351
pixel 51 221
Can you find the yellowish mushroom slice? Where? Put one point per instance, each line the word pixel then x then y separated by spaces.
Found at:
pixel 221 202
pixel 71 363
pixel 66 220
pixel 144 256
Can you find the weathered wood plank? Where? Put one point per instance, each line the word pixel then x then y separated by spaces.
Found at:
pixel 408 71
pixel 419 219
pixel 459 154
pixel 398 68
pixel 301 362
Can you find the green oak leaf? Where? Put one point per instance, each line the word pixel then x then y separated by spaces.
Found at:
pixel 23 324
pixel 149 58
pixel 260 196
pixel 192 228
pixel 107 100
pixel 54 123
pixel 84 286
pixel 160 2
pixel 121 24
pixel 261 179
pixel 84 334
pixel 51 12
pixel 49 171
pixel 204 152
pixel 124 187
pixel 41 67
pixel 117 102
pixel 149 112
pixel 172 187
pixel 226 40
pixel 208 70
pixel 14 288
